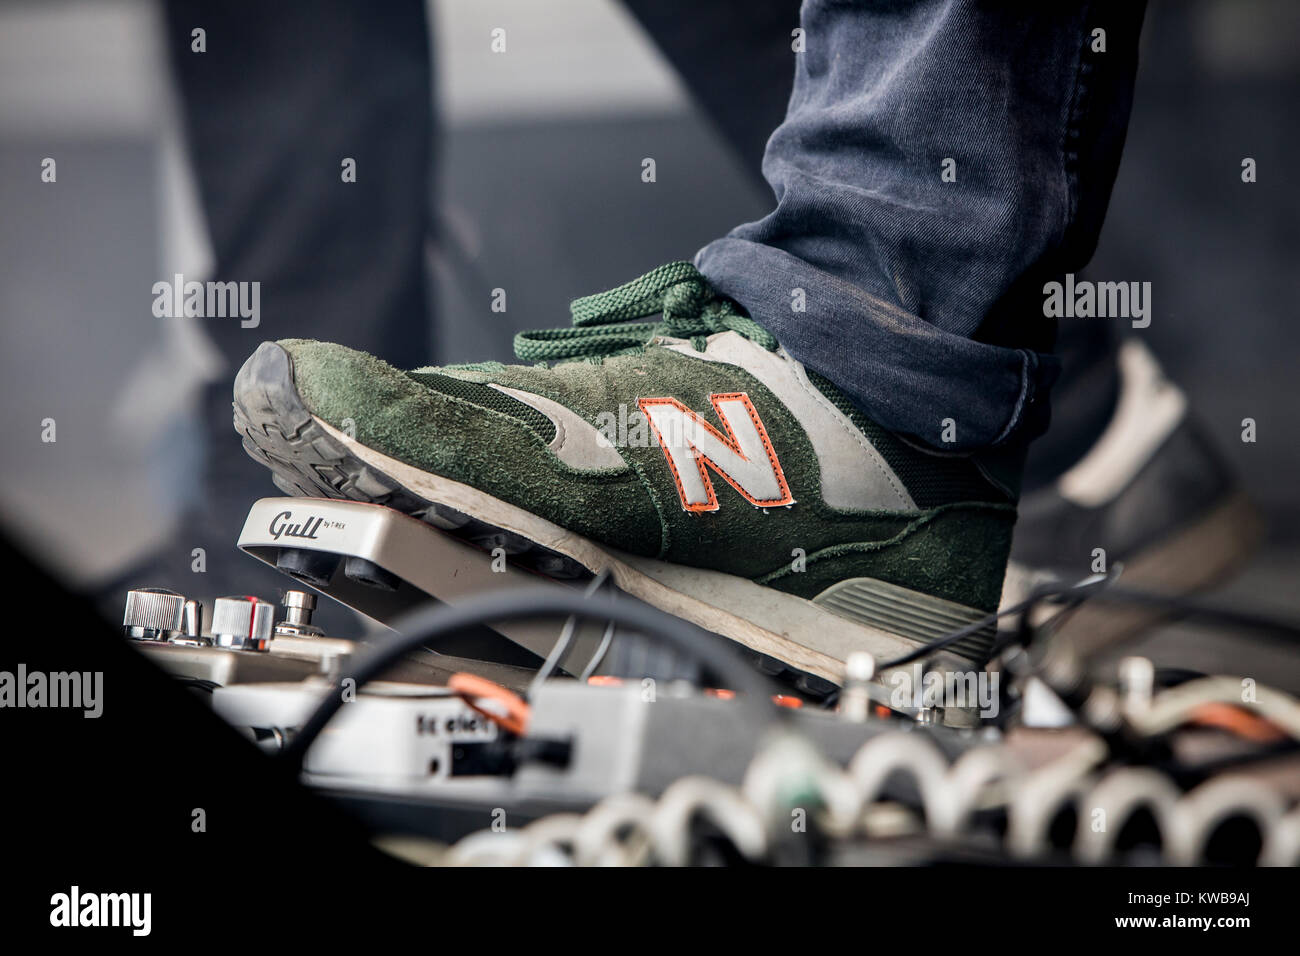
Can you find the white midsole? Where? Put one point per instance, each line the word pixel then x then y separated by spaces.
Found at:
pixel 793 629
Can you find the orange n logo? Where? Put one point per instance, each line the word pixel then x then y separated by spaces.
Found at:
pixel 744 457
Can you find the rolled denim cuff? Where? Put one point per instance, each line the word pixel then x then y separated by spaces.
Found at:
pixel 951 392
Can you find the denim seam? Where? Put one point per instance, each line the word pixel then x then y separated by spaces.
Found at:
pixel 1072 134
pixel 1027 359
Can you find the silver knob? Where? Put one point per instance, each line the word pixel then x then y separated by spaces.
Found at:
pixel 298 608
pixel 855 700
pixel 1137 679
pixel 242 623
pixel 191 634
pixel 931 716
pixel 153 614
pixel 193 619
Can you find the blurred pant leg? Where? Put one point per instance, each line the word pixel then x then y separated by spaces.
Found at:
pixel 735 58
pixel 923 296
pixel 283 94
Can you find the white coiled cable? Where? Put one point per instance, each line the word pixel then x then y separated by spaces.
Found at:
pixel 788 773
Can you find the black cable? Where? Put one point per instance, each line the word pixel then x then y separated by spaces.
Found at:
pixel 1285 631
pixel 423 626
pixel 1026 631
pixel 1081 590
pixel 1078 688
pixel 1104 589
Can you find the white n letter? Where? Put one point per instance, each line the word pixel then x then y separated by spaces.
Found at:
pixel 744 457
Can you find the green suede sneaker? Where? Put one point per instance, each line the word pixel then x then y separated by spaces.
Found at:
pixel 712 474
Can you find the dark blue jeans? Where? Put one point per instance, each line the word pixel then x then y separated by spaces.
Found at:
pixel 939 160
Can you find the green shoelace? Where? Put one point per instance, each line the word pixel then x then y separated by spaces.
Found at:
pixel 691 309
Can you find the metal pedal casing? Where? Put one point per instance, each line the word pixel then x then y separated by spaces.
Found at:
pixel 392 734
pixel 421 563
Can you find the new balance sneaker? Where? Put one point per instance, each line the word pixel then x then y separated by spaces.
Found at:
pixel 1151 493
pixel 711 473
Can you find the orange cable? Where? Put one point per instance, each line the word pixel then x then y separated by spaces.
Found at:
pixel 1237 720
pixel 472 688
